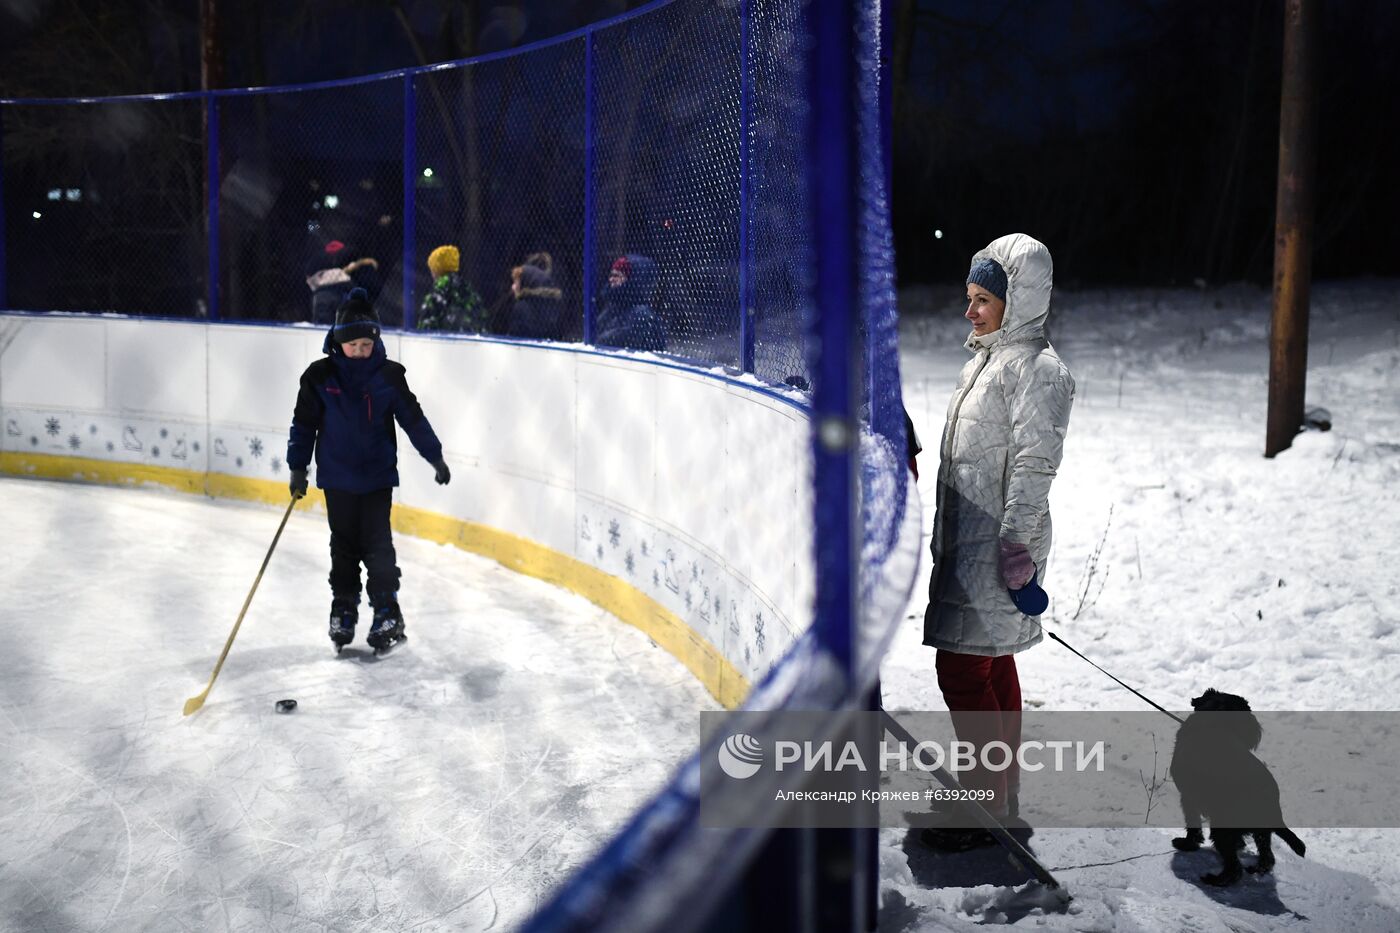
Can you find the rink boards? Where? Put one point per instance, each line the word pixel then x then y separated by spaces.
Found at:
pixel 677 499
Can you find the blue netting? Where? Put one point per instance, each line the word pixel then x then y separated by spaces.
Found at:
pixel 300 170
pixel 780 236
pixel 104 207
pixel 667 150
pixel 499 175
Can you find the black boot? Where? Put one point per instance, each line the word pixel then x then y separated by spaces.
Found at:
pixel 387 627
pixel 345 612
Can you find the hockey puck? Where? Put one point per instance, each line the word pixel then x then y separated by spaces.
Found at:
pixel 286 706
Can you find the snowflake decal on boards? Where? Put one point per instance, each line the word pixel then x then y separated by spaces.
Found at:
pixel 92 429
pixel 111 447
pixel 600 552
pixel 195 446
pixel 33 441
pixel 631 564
pixel 74 441
pixel 644 549
pixel 276 464
pixel 155 451
pixel 656 578
pixel 614 533
pixel 238 461
pixel 255 447
pixel 164 433
pixel 53 427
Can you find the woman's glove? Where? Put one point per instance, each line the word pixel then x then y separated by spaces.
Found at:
pixel 298 484
pixel 443 475
pixel 1016 565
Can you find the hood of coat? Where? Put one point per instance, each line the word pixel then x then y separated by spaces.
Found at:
pixel 1029 279
pixel 640 285
pixel 354 373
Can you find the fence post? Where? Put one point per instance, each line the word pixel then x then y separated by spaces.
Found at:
pixel 832 157
pixel 4 295
pixel 410 200
pixel 746 308
pixel 588 261
pixel 211 160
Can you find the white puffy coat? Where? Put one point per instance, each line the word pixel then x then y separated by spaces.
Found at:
pixel 1001 447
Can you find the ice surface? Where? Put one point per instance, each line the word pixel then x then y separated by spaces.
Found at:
pixel 447 786
pixel 1273 579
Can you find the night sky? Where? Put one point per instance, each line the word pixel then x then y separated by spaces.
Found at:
pixel 1137 137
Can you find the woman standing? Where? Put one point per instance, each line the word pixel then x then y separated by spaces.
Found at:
pixel 991 533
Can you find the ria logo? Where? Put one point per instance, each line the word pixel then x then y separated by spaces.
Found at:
pixel 740 756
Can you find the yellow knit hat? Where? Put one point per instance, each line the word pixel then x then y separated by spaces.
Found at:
pixel 443 260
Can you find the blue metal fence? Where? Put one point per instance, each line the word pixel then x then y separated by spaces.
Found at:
pixel 738 146
pixel 656 135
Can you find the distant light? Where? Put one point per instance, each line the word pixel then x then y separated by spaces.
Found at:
pixel 315 205
pixel 73 194
pixel 332 201
pixel 37 215
pixel 313 226
pixel 55 194
pixel 427 173
pixel 938 234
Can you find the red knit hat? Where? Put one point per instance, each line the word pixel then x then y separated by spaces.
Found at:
pixel 622 264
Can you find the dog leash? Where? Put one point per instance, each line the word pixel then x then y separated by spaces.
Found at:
pixel 1115 679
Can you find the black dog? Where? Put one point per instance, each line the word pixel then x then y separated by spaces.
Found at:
pixel 1221 781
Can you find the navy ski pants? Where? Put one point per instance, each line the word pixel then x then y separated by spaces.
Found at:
pixel 360 534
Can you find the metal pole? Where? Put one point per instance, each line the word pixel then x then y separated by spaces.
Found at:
pixel 1288 343
pixel 410 200
pixel 211 75
pixel 746 308
pixel 588 260
pixel 832 159
pixel 211 181
pixel 4 295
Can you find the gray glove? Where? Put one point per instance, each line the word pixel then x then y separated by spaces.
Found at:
pixel 443 475
pixel 298 484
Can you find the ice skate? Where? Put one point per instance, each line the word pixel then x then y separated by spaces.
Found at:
pixel 345 612
pixel 387 628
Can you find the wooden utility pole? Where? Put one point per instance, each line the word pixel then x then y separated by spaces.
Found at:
pixel 1297 149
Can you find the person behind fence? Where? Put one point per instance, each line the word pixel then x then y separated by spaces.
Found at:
pixel 537 305
pixel 345 413
pixel 1002 445
pixel 331 274
pixel 625 316
pixel 452 305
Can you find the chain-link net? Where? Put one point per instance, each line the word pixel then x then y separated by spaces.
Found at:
pixel 499 175
pixel 780 251
pixel 104 207
pixel 666 134
pixel 311 182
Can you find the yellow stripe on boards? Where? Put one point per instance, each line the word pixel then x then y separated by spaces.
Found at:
pixel 713 670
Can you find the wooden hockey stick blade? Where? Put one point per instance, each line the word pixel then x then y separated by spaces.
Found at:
pixel 195 702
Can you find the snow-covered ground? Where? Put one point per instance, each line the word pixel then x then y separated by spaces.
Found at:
pixel 1273 579
pixel 448 786
pixel 452 784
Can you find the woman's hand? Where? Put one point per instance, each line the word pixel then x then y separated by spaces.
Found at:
pixel 1016 565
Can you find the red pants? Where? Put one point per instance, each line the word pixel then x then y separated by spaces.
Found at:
pixel 987 686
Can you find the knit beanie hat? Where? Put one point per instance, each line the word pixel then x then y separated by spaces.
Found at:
pixel 443 260
pixel 356 318
pixel 989 274
pixel 622 264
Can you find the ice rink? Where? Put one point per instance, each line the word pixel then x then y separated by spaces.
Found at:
pixel 449 785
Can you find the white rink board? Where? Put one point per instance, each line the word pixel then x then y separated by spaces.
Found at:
pixel 691 487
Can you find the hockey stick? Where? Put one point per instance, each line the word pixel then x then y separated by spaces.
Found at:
pixel 194 703
pixel 998 832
